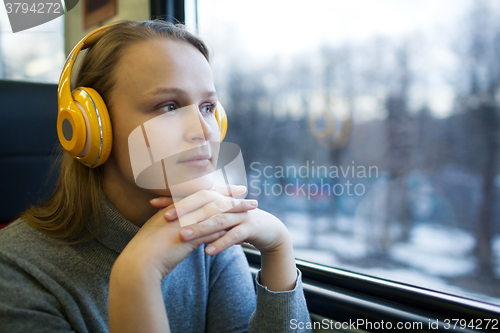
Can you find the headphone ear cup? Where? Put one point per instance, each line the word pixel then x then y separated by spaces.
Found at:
pixel 71 129
pixel 99 133
pixel 220 115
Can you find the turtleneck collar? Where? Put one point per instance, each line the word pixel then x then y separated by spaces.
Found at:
pixel 115 231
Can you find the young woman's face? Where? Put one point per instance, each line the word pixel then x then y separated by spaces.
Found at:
pixel 171 79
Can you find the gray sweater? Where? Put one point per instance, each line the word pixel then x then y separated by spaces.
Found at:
pixel 46 287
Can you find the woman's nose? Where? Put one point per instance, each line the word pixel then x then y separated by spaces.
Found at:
pixel 199 129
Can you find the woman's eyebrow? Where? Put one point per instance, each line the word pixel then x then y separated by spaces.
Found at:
pixel 210 94
pixel 178 91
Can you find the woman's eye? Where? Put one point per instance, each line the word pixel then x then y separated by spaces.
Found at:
pixel 208 108
pixel 168 108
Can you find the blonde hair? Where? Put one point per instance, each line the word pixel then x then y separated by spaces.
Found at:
pixel 76 197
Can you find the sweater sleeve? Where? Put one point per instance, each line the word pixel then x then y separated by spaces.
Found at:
pixel 277 310
pixel 25 305
pixel 235 305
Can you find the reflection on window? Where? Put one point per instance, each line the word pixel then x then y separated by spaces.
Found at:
pixel 371 129
pixel 36 54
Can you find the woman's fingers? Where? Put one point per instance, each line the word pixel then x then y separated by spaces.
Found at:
pixel 209 238
pixel 215 207
pixel 161 202
pixel 243 206
pixel 214 224
pixel 230 190
pixel 236 235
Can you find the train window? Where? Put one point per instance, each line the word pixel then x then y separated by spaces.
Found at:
pixel 35 54
pixel 370 128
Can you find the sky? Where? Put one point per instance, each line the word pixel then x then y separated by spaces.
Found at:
pixel 288 25
pixel 262 29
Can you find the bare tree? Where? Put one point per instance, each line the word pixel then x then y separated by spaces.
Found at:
pixel 480 119
pixel 400 139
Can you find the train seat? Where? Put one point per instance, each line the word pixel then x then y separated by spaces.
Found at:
pixel 26 156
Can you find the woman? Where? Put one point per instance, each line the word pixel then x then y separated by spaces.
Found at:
pixel 106 254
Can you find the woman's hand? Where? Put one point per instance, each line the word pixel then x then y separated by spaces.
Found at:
pixel 209 213
pixel 212 214
pixel 158 247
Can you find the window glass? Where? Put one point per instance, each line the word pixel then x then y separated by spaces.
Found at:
pixel 35 54
pixel 371 129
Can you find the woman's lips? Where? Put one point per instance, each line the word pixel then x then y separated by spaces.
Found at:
pixel 203 163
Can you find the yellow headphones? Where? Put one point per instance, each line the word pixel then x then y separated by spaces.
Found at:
pixel 83 123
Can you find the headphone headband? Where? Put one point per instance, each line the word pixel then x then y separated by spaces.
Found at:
pixel 64 88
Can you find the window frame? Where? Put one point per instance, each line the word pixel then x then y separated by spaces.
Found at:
pixel 343 295
pixel 169 10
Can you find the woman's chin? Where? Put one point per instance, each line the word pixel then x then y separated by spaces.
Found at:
pixel 185 189
pixel 190 187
